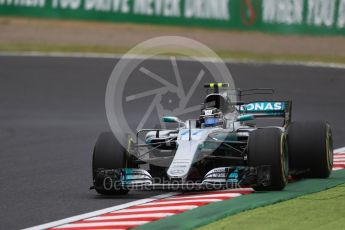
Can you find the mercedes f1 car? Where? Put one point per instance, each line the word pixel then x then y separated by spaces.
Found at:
pixel 221 148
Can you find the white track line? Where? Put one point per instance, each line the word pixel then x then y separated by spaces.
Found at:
pixel 99 212
pixel 230 195
pixel 181 201
pixel 339 150
pixel 130 216
pixel 167 58
pixel 166 208
pixel 100 224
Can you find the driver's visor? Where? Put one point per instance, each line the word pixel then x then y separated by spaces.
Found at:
pixel 210 121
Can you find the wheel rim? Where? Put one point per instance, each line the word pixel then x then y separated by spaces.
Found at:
pixel 329 148
pixel 284 158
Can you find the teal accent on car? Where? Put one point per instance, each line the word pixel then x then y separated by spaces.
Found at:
pixel 148 141
pixel 246 117
pixel 263 107
pixel 127 175
pixel 233 177
pixel 170 119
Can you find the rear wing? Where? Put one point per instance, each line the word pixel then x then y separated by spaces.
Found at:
pixel 267 109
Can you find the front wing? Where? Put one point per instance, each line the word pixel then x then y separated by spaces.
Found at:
pixel 218 178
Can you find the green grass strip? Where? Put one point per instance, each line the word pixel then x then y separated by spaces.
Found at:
pixel 321 210
pixel 219 210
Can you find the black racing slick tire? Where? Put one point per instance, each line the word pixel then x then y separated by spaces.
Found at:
pixel 267 146
pixel 310 147
pixel 109 154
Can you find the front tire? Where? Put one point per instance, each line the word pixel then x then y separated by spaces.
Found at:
pixel 109 154
pixel 267 146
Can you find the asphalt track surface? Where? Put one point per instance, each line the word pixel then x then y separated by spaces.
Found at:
pixel 52 110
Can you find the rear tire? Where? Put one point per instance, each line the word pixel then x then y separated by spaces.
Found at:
pixel 310 148
pixel 109 154
pixel 267 146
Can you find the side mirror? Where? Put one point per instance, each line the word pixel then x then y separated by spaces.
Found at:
pixel 246 117
pixel 171 120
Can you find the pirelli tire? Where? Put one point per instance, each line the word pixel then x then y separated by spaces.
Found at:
pixel 108 153
pixel 310 145
pixel 267 146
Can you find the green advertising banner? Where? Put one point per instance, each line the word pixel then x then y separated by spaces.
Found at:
pixel 281 16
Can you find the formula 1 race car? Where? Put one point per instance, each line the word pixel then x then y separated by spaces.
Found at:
pixel 220 149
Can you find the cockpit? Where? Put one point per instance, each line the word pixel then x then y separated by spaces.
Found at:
pixel 216 105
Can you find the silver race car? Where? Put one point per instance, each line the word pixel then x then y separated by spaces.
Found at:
pixel 222 148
